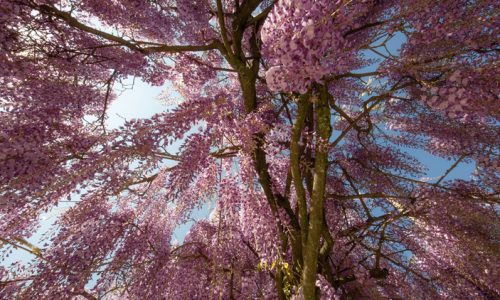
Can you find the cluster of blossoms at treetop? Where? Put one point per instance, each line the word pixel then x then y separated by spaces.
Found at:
pixel 298 123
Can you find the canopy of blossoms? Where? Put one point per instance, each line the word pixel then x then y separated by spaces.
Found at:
pixel 295 123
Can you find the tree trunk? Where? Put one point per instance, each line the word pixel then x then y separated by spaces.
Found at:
pixel 311 252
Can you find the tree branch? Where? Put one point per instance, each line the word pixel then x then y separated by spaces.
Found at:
pixel 133 45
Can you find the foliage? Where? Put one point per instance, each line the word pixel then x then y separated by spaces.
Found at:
pixel 294 121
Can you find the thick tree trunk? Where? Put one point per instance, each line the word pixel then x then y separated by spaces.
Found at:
pixel 311 252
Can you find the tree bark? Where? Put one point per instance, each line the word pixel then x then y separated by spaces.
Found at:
pixel 311 252
pixel 303 106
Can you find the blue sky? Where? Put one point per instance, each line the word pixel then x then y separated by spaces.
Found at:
pixel 138 101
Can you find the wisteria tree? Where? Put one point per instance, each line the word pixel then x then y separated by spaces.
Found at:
pixel 295 119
